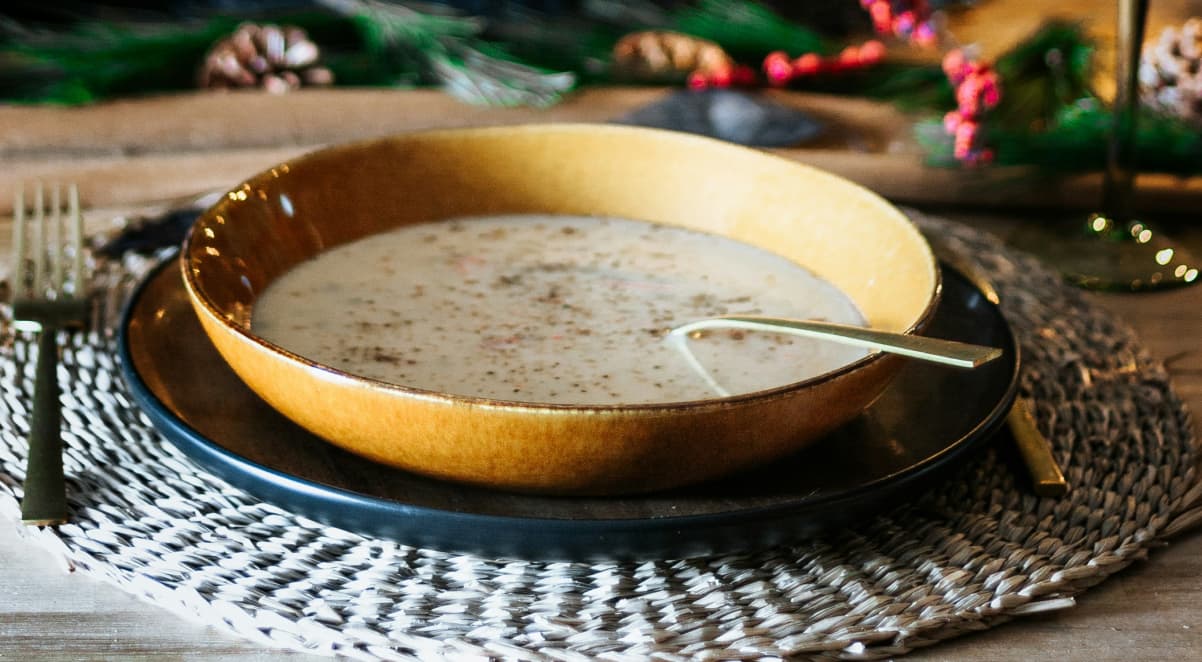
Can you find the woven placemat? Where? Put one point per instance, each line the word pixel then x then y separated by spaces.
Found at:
pixel 973 553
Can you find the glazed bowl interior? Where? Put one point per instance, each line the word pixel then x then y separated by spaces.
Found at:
pixel 290 213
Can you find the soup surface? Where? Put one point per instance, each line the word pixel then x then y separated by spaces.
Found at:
pixel 551 309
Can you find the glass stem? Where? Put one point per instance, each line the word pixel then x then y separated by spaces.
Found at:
pixel 1118 181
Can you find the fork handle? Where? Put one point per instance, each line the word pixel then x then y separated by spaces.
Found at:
pixel 45 499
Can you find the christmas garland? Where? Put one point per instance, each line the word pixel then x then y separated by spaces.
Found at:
pixel 1032 106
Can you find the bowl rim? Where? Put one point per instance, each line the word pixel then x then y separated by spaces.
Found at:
pixel 240 192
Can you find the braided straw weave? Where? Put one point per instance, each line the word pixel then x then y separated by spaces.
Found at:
pixel 971 554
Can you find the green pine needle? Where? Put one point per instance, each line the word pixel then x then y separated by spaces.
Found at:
pixel 484 74
pixel 911 87
pixel 746 29
pixel 558 43
pixel 388 25
pixel 101 60
pixel 97 61
pixel 1043 74
pixel 447 49
pixel 1075 141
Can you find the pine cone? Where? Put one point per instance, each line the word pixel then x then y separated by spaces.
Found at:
pixel 1170 72
pixel 655 56
pixel 272 57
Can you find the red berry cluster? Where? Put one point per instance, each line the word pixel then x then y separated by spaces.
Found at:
pixel 911 21
pixel 722 76
pixel 978 90
pixel 781 70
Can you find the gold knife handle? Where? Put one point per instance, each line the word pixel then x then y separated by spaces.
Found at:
pixel 1046 478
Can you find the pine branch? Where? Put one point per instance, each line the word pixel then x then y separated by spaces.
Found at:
pixel 483 77
pixel 1075 141
pixel 746 29
pixel 96 61
pixel 582 44
pixel 1042 75
pixel 627 15
pixel 447 48
pixel 92 61
pixel 911 87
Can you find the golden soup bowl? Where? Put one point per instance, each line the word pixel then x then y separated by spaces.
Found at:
pixel 292 212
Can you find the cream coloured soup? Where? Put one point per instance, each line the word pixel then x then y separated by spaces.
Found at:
pixel 551 309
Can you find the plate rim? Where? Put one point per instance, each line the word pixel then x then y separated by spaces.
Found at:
pixel 266 482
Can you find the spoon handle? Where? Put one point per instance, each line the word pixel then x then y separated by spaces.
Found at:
pixel 947 352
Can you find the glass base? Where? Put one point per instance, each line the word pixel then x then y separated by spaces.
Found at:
pixel 1105 253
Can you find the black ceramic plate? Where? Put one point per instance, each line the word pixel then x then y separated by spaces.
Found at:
pixel 926 423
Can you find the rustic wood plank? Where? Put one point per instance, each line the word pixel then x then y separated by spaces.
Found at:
pixel 49 614
pixel 160 147
pixel 201 122
pixel 1147 612
pixel 107 181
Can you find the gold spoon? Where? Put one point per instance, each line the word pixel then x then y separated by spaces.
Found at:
pixel 936 350
pixel 947 352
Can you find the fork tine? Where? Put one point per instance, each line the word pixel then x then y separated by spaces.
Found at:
pixel 58 261
pixel 17 279
pixel 38 244
pixel 78 290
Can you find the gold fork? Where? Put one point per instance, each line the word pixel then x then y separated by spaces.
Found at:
pixel 46 300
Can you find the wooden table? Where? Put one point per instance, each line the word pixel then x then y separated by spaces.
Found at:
pixel 1149 611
